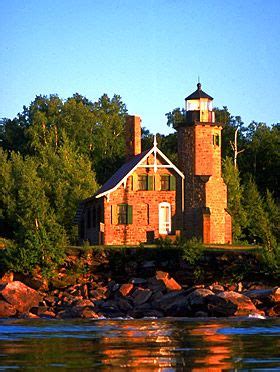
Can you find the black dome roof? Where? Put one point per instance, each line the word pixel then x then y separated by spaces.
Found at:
pixel 198 94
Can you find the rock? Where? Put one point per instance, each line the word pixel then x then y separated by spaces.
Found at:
pixel 216 288
pixel 85 312
pixel 148 264
pixel 173 303
pixel 201 314
pixel 84 291
pixel 124 304
pixel 170 283
pixel 7 277
pixel 156 285
pixel 7 310
pixel 20 296
pixel 141 296
pixel 112 313
pixel 271 295
pixel 274 311
pixel 138 281
pixel 156 296
pixel 125 289
pixel 83 303
pixel 197 299
pixel 113 287
pixel 49 299
pixel 231 303
pixel 44 312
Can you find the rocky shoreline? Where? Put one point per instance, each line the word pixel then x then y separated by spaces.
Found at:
pixel 157 296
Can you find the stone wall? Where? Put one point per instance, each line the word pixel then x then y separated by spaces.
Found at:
pixel 205 193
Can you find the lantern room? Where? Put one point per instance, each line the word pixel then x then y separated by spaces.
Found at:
pixel 199 107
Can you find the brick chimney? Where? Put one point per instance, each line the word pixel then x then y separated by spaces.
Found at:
pixel 132 136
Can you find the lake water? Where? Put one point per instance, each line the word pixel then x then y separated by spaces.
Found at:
pixel 141 345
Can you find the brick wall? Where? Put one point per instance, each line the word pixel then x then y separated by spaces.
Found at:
pixel 145 208
pixel 205 193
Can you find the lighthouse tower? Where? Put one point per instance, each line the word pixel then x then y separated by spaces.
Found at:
pixel 199 152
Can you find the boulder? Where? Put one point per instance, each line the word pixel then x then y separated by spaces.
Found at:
pixel 124 304
pixel 271 295
pixel 197 300
pixel 231 303
pixel 170 283
pixel 125 289
pixel 7 277
pixel 20 296
pixel 156 285
pixel 141 296
pixel 173 303
pixel 216 288
pixel 274 311
pixel 6 310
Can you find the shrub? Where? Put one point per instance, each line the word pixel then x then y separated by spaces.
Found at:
pixel 192 250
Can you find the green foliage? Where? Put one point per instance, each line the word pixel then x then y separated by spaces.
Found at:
pixel 235 199
pixel 262 158
pixel 192 250
pixel 270 259
pixel 258 227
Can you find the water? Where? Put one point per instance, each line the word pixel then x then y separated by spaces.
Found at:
pixel 141 345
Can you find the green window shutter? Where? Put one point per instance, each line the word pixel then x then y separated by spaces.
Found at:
pixel 172 183
pixel 129 214
pixel 150 183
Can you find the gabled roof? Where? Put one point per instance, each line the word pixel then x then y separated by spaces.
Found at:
pixel 127 169
pixel 117 178
pixel 198 94
pixel 122 174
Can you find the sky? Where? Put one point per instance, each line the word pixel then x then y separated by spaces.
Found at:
pixel 150 52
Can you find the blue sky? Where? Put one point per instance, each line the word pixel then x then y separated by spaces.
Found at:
pixel 150 52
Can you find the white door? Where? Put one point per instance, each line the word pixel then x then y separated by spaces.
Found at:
pixel 164 218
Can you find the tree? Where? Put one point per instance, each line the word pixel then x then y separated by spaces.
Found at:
pixel 40 239
pixel 109 136
pixel 262 156
pixel 258 227
pixel 235 199
pixel 68 179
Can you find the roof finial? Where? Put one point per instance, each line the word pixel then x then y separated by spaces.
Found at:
pixel 155 140
pixel 198 84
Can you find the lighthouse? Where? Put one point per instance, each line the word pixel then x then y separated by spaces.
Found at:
pixel 199 154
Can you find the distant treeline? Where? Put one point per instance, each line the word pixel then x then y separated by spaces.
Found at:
pixel 57 152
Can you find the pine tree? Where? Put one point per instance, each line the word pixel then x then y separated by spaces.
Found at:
pixel 235 199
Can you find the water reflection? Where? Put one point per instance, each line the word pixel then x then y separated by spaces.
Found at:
pixel 216 347
pixel 140 345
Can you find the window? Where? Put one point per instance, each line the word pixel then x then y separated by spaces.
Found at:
pixel 124 213
pixel 216 139
pixel 164 182
pixel 145 182
pixel 142 182
pixel 167 182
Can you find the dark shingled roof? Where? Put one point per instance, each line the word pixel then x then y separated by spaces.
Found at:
pixel 121 173
pixel 111 183
pixel 198 94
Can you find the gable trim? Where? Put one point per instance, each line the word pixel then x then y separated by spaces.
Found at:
pixel 124 179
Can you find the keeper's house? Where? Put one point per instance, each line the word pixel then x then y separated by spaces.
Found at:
pixel 149 196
